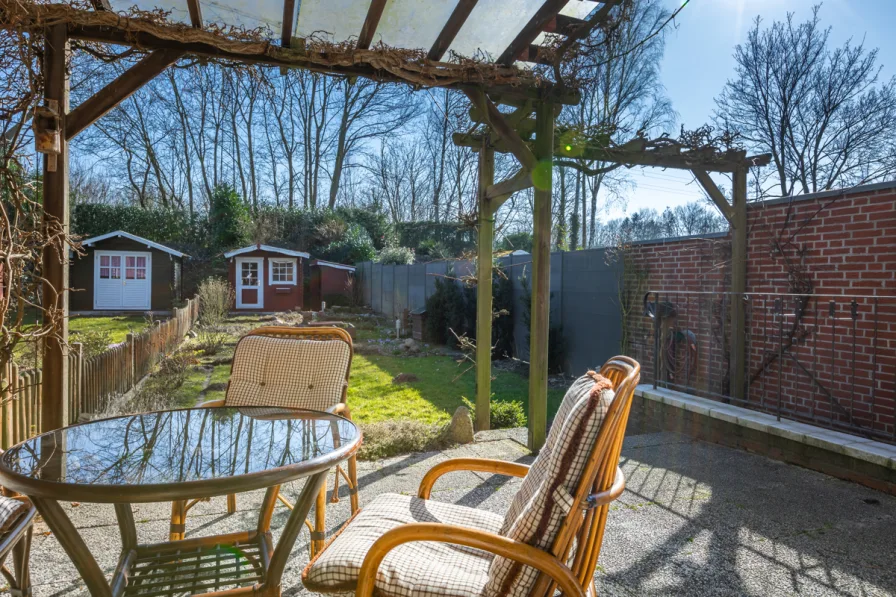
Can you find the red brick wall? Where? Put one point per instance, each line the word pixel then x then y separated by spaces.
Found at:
pixel 838 247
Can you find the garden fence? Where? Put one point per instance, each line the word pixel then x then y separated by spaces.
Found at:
pixel 584 298
pixel 93 381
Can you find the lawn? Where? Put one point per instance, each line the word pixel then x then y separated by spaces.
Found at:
pixel 117 327
pixel 373 397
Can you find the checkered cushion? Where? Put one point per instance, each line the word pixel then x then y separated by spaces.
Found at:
pixel 546 495
pixel 291 373
pixel 419 569
pixel 10 512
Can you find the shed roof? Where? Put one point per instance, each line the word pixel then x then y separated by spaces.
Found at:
pixel 139 239
pixel 268 248
pixel 333 265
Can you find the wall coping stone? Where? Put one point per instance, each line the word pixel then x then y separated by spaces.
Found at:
pixel 853 446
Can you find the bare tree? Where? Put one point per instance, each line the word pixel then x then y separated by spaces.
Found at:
pixel 821 112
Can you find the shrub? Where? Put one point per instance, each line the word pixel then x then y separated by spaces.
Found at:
pixel 445 312
pixel 211 339
pixel 215 299
pixel 502 415
pixel 396 256
pixel 516 241
pixel 228 218
pixel 391 438
pixel 94 341
pixel 355 247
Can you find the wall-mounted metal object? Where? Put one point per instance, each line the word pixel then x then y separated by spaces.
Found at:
pixel 47 126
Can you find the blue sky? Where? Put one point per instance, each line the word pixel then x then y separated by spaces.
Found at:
pixel 699 60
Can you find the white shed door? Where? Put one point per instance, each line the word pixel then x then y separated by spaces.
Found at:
pixel 122 280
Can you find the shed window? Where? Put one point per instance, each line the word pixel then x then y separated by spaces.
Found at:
pixel 110 267
pixel 283 271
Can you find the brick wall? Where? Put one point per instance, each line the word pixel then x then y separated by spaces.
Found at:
pixel 838 247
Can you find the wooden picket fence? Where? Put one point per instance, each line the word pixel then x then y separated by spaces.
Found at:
pixel 94 381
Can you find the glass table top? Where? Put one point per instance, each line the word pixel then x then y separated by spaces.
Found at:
pixel 180 446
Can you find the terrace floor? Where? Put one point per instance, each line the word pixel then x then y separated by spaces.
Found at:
pixel 695 519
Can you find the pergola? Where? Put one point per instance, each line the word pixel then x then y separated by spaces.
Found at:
pixel 402 41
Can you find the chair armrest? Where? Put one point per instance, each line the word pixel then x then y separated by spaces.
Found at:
pixel 605 497
pixel 341 410
pixel 18 530
pixel 212 403
pixel 478 539
pixel 479 465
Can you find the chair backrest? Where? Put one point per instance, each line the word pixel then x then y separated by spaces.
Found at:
pixel 580 459
pixel 293 367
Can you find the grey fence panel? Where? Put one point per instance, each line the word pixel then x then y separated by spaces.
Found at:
pixel 592 328
pixel 556 284
pixel 388 290
pixel 376 285
pixel 400 283
pixel 521 265
pixel 434 270
pixel 366 275
pixel 417 286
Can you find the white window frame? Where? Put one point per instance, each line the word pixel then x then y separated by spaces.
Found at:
pixel 281 260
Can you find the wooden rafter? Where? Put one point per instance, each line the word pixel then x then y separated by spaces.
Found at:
pixel 368 30
pixel 536 25
pixel 508 134
pixel 118 90
pixel 289 17
pixel 195 13
pixel 452 27
pixel 101 5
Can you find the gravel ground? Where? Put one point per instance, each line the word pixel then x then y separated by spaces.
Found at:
pixel 696 519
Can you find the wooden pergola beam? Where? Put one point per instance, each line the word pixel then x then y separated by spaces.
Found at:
pixel 527 35
pixel 368 30
pixel 485 256
pixel 518 182
pixel 497 122
pixel 458 17
pixel 195 13
pixel 714 193
pixel 93 108
pixel 292 58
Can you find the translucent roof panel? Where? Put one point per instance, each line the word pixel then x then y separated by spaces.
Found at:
pixel 413 24
pixel 247 14
pixel 331 20
pixel 492 26
pixel 579 9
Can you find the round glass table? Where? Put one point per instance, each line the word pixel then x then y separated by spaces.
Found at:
pixel 178 455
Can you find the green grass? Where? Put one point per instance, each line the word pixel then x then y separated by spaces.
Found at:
pixel 433 399
pixel 117 327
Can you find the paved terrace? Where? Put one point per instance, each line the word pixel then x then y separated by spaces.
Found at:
pixel 695 519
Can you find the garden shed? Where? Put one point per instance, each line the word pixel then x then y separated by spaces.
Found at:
pixel 266 278
pixel 120 271
pixel 331 283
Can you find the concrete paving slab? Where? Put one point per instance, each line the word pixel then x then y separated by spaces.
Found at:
pixel 696 519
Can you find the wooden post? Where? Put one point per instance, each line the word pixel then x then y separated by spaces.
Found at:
pixel 484 288
pixel 78 377
pixel 56 219
pixel 738 284
pixel 541 275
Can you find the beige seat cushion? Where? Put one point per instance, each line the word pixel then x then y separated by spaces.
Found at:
pixel 419 569
pixel 290 373
pixel 11 510
pixel 546 495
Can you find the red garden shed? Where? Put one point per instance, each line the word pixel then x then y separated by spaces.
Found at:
pixel 266 278
pixel 330 283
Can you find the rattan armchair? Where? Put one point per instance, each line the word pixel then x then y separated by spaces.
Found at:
pixel 261 361
pixel 550 538
pixel 16 526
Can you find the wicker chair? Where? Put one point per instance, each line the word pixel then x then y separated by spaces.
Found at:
pixel 270 369
pixel 550 537
pixel 16 526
